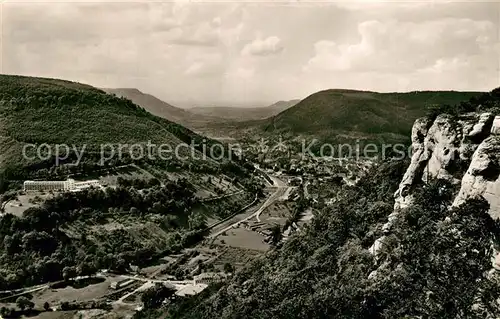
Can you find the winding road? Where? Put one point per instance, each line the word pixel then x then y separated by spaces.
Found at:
pixel 281 189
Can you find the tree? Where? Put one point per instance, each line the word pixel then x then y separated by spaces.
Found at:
pixel 24 303
pixel 85 269
pixel 68 273
pixel 275 236
pixel 65 306
pixel 446 256
pixel 153 297
pixel 228 268
pixel 197 221
pixel 179 274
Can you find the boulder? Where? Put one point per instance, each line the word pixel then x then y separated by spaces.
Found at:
pixel 465 150
pixel 377 245
pixel 442 149
pixel 483 126
pixel 495 127
pixel 482 176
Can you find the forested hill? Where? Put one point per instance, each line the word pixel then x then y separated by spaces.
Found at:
pixel 345 115
pixel 52 111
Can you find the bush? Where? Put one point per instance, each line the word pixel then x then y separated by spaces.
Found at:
pixel 489 101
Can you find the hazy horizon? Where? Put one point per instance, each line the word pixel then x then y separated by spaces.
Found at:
pixel 255 54
pixel 190 105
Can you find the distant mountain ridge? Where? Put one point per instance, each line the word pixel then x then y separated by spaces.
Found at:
pixel 342 115
pixel 161 108
pixel 202 119
pixel 244 113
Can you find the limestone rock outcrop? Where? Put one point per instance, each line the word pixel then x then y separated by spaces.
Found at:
pixel 482 177
pixel 495 127
pixel 464 150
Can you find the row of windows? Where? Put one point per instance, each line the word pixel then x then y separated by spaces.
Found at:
pixel 45 186
pixel 58 185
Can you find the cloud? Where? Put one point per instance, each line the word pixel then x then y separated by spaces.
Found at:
pixel 263 47
pixel 240 73
pixel 399 47
pixel 208 51
pixel 201 69
pixel 201 35
pixel 203 65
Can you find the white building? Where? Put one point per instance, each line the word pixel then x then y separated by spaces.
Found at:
pixel 190 290
pixel 209 277
pixel 121 283
pixel 85 184
pixel 48 185
pixel 63 186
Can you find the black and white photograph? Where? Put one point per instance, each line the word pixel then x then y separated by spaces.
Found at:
pixel 225 159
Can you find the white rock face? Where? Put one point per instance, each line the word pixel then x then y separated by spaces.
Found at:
pixel 373 274
pixel 465 151
pixel 419 161
pixel 483 125
pixel 496 262
pixel 495 128
pixel 482 177
pixel 377 245
pixel 449 147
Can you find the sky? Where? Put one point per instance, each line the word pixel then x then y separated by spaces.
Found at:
pixel 230 53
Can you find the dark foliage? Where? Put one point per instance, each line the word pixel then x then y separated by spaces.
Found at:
pixel 489 101
pixel 433 265
pixel 154 296
pixel 34 249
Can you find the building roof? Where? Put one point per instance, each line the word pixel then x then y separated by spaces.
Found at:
pixel 209 275
pixel 190 290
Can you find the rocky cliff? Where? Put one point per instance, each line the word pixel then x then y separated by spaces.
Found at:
pixel 463 149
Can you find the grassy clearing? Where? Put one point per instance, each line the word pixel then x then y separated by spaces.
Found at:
pixel 277 213
pixel 242 238
pixel 70 294
pixel 23 202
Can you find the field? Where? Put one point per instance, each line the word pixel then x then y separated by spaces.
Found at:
pixel 277 213
pixel 207 185
pixel 70 294
pixel 122 312
pixel 243 238
pixel 93 289
pixel 238 257
pixel 112 179
pixel 25 201
pixel 58 315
